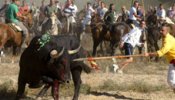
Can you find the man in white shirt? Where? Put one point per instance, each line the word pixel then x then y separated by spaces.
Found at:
pixel 133 17
pixel 87 20
pixel 161 13
pixel 103 10
pixel 70 11
pixel 129 41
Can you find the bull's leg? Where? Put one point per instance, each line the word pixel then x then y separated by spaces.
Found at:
pixel 55 90
pixel 77 81
pixel 21 88
pixel 43 91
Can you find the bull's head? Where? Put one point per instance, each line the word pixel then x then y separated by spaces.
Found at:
pixel 57 64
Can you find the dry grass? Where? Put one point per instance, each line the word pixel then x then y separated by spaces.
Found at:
pixel 136 86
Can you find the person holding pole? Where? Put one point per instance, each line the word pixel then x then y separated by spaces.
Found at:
pixel 168 49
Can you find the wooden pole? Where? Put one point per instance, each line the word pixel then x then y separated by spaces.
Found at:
pixel 109 57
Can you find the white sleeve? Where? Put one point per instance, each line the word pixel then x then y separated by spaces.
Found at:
pixel 92 9
pixel 163 13
pixel 138 35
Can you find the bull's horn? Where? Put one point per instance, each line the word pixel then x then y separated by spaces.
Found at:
pixel 74 51
pixel 54 53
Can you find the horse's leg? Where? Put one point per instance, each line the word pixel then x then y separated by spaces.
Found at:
pixel 55 90
pixel 112 43
pixel 156 48
pixel 76 73
pixel 14 53
pixel 95 45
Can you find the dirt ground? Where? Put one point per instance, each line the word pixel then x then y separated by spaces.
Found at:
pixel 140 71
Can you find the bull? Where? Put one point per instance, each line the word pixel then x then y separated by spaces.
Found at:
pixel 51 60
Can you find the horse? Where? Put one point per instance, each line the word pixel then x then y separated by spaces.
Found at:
pixel 101 32
pixel 50 25
pixel 11 37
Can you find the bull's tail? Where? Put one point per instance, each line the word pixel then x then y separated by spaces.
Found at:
pixel 81 64
pixel 86 68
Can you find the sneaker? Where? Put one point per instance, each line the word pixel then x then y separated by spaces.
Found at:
pixel 119 71
pixel 115 66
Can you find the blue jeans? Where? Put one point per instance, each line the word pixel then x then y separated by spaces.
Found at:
pixel 128 49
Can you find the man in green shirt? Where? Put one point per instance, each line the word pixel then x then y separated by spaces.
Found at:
pixel 50 9
pixel 110 16
pixel 12 15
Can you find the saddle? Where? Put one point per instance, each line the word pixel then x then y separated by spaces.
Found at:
pixel 15 27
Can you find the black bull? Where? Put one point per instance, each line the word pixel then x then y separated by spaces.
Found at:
pixel 36 64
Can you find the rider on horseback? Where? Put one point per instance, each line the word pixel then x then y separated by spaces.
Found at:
pixel 70 10
pixel 12 15
pixel 50 11
pixel 134 18
pixel 89 11
pixel 110 16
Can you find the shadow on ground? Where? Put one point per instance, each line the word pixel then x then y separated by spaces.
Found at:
pixel 116 96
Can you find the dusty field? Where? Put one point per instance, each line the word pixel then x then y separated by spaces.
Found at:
pixel 141 81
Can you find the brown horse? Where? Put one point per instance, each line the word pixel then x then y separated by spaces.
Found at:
pixel 100 32
pixel 10 36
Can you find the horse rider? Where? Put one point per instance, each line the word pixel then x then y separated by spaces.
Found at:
pixel 12 15
pixel 41 9
pixel 161 13
pixel 110 17
pixel 25 8
pixel 133 17
pixel 4 7
pixel 128 42
pixel 70 10
pixel 3 10
pixel 140 12
pixel 168 49
pixel 58 5
pixel 103 10
pixel 88 15
pixel 51 10
pixel 171 14
pixel 125 12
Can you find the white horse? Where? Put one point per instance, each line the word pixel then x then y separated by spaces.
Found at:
pixel 50 26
